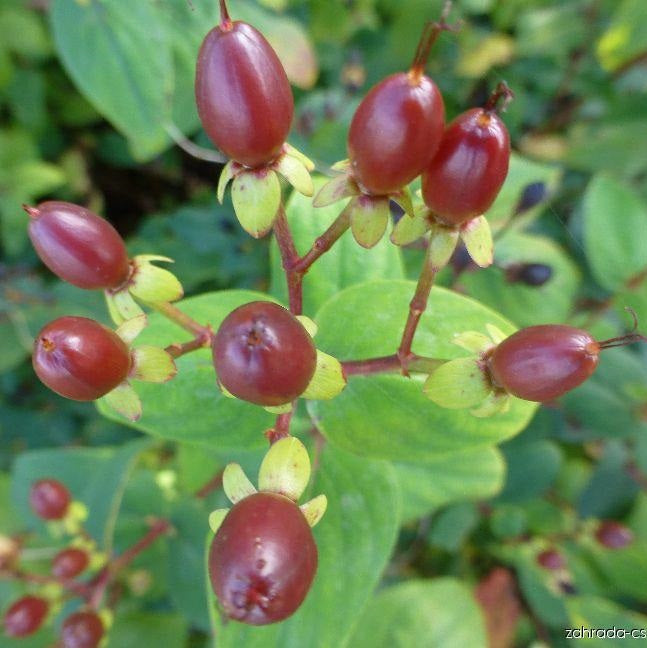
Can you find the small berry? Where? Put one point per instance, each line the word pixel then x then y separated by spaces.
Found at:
pixel 470 166
pixel 80 359
pixel 531 274
pixel 263 354
pixel 82 630
pixel 263 559
pixel 25 616
pixel 49 499
pixel 78 246
pixel 613 535
pixel 541 363
pixel 551 559
pixel 69 563
pixel 243 95
pixel 532 195
pixel 398 126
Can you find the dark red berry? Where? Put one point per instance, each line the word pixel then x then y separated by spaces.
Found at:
pixel 469 168
pixel 49 499
pixel 69 563
pixel 263 354
pixel 263 559
pixel 78 246
pixel 613 535
pixel 551 559
pixel 79 358
pixel 25 616
pixel 243 95
pixel 395 132
pixel 540 363
pixel 82 630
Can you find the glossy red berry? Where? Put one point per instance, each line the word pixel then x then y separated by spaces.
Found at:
pixel 82 630
pixel 78 246
pixel 263 354
pixel 49 499
pixel 263 559
pixel 79 358
pixel 540 363
pixel 25 616
pixel 69 563
pixel 395 132
pixel 551 559
pixel 243 95
pixel 613 535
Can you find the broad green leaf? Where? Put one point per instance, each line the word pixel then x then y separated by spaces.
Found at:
pixel 615 232
pixel 95 476
pixel 625 37
pixel 388 416
pixel 119 56
pixel 356 536
pixel 438 613
pixel 453 525
pixel 597 612
pixel 154 628
pixel 345 264
pixel 469 475
pixel 191 407
pixel 526 305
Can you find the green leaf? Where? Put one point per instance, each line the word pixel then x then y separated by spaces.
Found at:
pixel 443 611
pixel 615 232
pixel 192 408
pixel 159 629
pixel 472 474
pixel 597 612
pixel 118 55
pixel 358 531
pixel 453 525
pixel 345 264
pixel 388 416
pixel 625 37
pixel 96 477
pixel 625 569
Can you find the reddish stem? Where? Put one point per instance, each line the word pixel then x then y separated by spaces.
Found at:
pixel 281 428
pixel 212 485
pixel 387 364
pixel 178 349
pixel 290 257
pixel 324 242
pixel 77 589
pixel 499 99
pixel 33 212
pixel 225 20
pixel 183 320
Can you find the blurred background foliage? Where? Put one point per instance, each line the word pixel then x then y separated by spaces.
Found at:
pixel 89 92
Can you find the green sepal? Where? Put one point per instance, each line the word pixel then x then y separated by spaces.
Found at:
pixel 328 380
pixel 236 484
pixel 472 341
pixel 131 328
pixel 403 198
pixel 458 384
pixel 77 514
pixel 107 619
pixel 154 285
pixel 477 236
pixel 121 306
pixel 295 153
pixel 296 173
pixel 407 230
pixel 442 244
pixel 285 468
pixel 308 325
pixel 278 409
pixel 495 403
pixel 124 399
pixel 340 187
pixel 228 173
pixel 341 165
pixel 369 218
pixel 314 509
pixel 216 518
pixel 224 390
pixel 152 364
pixel 256 196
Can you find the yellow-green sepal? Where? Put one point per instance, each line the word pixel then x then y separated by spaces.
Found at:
pixel 236 484
pixel 369 218
pixel 256 196
pixel 121 306
pixel 494 403
pixel 442 243
pixel 216 518
pixel 340 187
pixel 328 380
pixel 477 236
pixel 296 173
pixel 295 153
pixel 152 364
pixel 152 284
pixel 228 173
pixel 408 230
pixel 285 468
pixel 278 409
pixel 130 329
pixel 124 400
pixel 308 324
pixel 314 509
pixel 458 384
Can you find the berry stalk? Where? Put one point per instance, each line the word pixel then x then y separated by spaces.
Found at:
pixel 178 349
pixel 290 257
pixel 183 320
pixel 324 242
pixel 390 363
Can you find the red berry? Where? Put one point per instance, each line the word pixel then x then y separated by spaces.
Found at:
pixel 82 630
pixel 78 246
pixel 263 559
pixel 540 363
pixel 69 563
pixel 80 359
pixel 551 559
pixel 469 168
pixel 243 94
pixel 263 354
pixel 395 132
pixel 25 616
pixel 614 535
pixel 49 499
